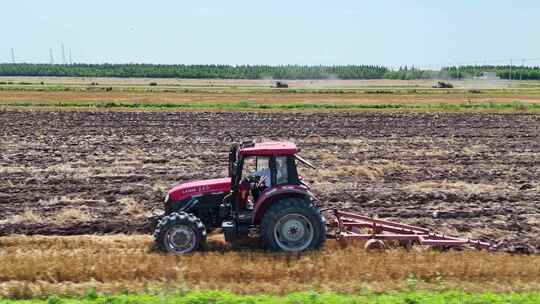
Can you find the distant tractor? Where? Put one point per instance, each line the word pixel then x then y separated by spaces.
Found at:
pixel 281 84
pixel 264 198
pixel 443 85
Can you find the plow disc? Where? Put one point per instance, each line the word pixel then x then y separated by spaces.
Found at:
pixel 377 232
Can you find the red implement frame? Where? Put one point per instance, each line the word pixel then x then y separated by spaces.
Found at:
pixel 349 224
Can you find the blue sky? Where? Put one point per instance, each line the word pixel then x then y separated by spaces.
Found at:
pixel 271 32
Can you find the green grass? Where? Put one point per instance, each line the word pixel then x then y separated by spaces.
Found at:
pixel 245 105
pixel 305 297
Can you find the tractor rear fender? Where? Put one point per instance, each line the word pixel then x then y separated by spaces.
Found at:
pixel 271 196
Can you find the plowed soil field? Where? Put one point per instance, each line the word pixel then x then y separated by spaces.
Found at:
pixel 80 172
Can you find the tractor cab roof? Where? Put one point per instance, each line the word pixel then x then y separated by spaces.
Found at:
pixel 268 148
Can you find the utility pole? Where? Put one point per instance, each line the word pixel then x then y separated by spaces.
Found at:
pixel 63 54
pixel 51 56
pixel 510 69
pixel 522 67
pixel 12 55
pixel 70 61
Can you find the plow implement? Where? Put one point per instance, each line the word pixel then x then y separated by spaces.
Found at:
pixel 379 233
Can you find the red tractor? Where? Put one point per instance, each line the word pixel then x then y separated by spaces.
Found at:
pixel 262 197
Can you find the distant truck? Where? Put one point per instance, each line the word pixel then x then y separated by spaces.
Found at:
pixel 442 85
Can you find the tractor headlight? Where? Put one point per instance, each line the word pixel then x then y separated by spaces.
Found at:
pixel 166 198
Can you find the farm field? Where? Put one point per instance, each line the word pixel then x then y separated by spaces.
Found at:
pixel 96 92
pixel 244 153
pixel 102 172
pixel 77 186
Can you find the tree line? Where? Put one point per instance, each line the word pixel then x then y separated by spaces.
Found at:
pixel 196 71
pixel 262 71
pixel 502 71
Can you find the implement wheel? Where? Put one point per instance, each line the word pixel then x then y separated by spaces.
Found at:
pixel 374 245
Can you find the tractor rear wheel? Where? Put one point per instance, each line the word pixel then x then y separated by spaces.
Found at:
pixel 293 224
pixel 179 233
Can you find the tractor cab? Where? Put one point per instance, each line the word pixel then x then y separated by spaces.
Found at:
pixel 271 163
pixel 256 168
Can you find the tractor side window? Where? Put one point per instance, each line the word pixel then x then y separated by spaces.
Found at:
pixel 263 163
pixel 282 176
pixel 263 170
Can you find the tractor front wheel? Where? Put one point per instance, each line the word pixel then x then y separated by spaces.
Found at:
pixel 293 224
pixel 179 233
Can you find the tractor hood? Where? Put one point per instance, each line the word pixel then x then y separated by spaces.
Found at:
pixel 189 189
